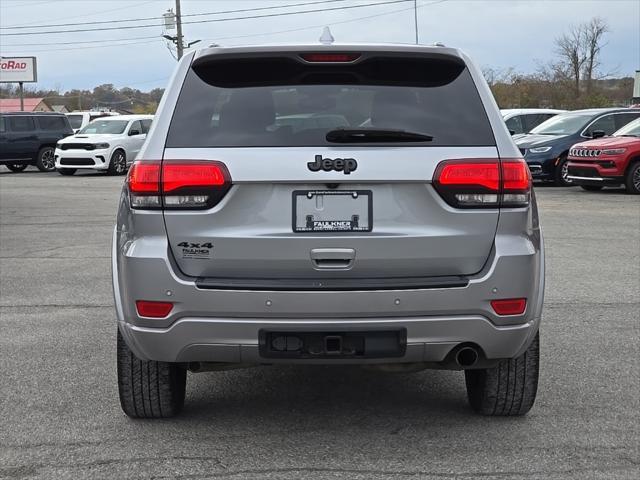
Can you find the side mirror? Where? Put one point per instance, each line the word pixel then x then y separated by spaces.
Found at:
pixel 598 134
pixel 137 132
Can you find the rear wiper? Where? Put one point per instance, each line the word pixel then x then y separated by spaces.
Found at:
pixel 364 135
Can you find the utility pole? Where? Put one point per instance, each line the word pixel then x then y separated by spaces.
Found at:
pixel 179 40
pixel 174 20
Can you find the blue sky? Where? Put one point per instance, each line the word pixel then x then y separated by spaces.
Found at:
pixel 499 34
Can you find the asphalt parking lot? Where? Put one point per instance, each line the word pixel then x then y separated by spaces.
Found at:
pixel 61 418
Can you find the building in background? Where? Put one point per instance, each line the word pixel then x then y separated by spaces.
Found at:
pixel 60 108
pixel 30 105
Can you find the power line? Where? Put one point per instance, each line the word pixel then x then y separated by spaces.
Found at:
pixel 30 25
pixel 356 19
pixel 81 41
pixel 128 27
pixel 29 4
pixel 391 12
pixel 108 45
pixel 17 27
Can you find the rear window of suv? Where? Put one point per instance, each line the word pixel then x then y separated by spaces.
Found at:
pixel 284 102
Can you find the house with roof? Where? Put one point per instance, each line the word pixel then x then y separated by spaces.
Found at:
pixel 30 105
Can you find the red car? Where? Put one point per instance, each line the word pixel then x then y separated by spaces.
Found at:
pixel 609 161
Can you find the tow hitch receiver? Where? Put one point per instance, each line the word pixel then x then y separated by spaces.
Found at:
pixel 330 344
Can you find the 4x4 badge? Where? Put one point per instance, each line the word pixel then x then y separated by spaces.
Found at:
pixel 346 165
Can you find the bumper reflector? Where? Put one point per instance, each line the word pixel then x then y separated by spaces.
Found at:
pixel 511 306
pixel 151 309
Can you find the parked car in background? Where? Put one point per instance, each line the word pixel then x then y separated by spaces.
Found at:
pixel 546 147
pixel 609 161
pixel 523 120
pixel 108 143
pixel 80 119
pixel 28 138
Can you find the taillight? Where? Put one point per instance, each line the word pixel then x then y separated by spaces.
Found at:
pixel 330 57
pixel 177 184
pixel 151 309
pixel 511 306
pixel 479 183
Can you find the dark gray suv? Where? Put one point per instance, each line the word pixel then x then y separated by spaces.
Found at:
pixel 352 204
pixel 28 138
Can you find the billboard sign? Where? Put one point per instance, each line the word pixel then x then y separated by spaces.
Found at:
pixel 18 69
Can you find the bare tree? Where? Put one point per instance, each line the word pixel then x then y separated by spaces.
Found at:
pixel 579 52
pixel 573 56
pixel 594 32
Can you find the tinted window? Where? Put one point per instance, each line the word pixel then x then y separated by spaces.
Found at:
pixel 3 128
pixel 280 102
pixel 136 126
pixel 51 123
pixel 621 119
pixel 533 120
pixel 514 124
pixel 146 125
pixel 21 124
pixel 113 127
pixel 75 121
pixel 607 124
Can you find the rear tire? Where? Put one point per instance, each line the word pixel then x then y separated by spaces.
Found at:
pixel 591 188
pixel 149 389
pixel 118 163
pixel 632 181
pixel 562 170
pixel 67 171
pixel 46 160
pixel 509 389
pixel 16 167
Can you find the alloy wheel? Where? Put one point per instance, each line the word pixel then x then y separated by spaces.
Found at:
pixel 120 163
pixel 48 161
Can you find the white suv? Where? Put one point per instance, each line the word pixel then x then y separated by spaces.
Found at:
pixel 109 143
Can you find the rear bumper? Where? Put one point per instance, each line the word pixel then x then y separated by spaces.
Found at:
pixel 223 325
pixel 429 339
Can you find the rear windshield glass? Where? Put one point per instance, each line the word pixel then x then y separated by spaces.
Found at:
pixel 281 102
pixel 105 127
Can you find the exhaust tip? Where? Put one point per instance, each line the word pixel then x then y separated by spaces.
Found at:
pixel 467 357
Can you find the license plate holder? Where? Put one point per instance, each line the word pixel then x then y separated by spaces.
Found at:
pixel 332 211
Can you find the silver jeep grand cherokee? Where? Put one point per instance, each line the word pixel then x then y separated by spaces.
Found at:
pixel 342 204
